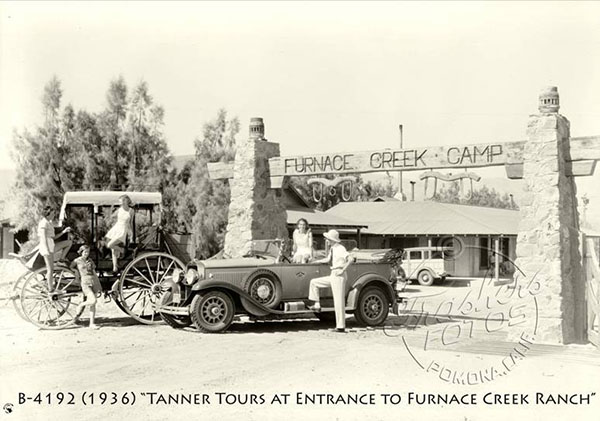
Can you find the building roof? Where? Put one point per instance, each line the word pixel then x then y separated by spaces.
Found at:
pixel 428 218
pixel 318 219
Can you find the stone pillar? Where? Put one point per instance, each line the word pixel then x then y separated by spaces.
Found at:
pixel 255 210
pixel 548 240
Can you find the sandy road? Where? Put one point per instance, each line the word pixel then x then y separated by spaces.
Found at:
pixel 265 358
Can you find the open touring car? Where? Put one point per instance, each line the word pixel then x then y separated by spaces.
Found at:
pixel 267 285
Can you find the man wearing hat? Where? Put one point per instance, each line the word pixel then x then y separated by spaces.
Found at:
pixel 340 259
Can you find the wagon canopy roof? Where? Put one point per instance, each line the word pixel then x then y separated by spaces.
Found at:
pixel 107 198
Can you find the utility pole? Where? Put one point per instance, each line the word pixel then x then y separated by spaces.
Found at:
pixel 400 194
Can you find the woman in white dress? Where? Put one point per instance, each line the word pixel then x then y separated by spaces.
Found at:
pixel 49 250
pixel 123 228
pixel 302 251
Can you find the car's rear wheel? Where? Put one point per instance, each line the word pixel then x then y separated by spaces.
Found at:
pixel 213 311
pixel 373 307
pixel 425 278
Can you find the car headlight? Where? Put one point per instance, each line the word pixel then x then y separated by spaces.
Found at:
pixel 191 276
pixel 177 275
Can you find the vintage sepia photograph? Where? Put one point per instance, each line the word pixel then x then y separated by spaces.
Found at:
pixel 299 210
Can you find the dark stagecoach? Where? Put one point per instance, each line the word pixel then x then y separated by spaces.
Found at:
pixel 147 261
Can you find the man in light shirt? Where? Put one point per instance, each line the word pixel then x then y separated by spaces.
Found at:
pixel 340 259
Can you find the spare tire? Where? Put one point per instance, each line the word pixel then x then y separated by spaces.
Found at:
pixel 264 287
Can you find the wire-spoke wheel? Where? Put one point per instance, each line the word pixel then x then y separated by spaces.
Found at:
pixel 373 307
pixel 213 311
pixel 143 283
pixel 54 309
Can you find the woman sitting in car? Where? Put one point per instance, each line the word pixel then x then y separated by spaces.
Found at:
pixel 302 249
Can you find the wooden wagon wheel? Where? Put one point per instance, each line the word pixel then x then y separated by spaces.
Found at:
pixel 16 294
pixel 51 310
pixel 142 283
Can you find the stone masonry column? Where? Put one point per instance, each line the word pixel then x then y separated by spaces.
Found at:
pixel 548 240
pixel 255 210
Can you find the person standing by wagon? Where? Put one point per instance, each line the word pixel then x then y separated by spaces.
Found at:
pixel 123 228
pixel 340 259
pixel 49 250
pixel 85 273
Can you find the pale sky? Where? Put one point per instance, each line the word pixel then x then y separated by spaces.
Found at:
pixel 325 76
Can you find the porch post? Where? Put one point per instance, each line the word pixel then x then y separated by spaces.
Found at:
pixel 496 259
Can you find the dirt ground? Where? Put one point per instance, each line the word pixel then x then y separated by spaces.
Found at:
pixel 271 358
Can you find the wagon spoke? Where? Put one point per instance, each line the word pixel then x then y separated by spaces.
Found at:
pixel 55 307
pixel 167 270
pixel 35 305
pixel 59 278
pixel 150 270
pixel 64 303
pixel 138 283
pixel 34 296
pixel 158 266
pixel 129 296
pixel 68 285
pixel 42 308
pixel 143 276
pixel 144 307
pixel 48 310
pixel 141 295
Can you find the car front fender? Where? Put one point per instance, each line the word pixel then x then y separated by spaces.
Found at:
pixel 370 279
pixel 200 286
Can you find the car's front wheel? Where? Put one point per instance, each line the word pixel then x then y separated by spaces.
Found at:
pixel 213 311
pixel 373 307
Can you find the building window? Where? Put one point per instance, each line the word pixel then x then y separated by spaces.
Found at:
pixel 484 251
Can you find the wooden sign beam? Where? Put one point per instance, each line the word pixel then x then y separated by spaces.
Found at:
pixel 585 151
pixel 464 156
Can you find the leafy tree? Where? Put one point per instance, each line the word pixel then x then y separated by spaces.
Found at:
pixel 483 196
pixel 121 146
pixel 114 152
pixel 42 170
pixel 150 157
pixel 201 203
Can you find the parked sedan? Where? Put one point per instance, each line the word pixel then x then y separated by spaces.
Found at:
pixel 265 284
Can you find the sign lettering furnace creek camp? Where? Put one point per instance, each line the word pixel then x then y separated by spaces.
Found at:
pixel 393 160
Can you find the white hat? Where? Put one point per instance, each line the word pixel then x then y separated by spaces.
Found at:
pixel 332 235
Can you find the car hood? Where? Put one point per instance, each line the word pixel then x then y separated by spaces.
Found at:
pixel 239 262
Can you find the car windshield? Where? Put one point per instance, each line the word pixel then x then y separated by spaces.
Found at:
pixel 266 248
